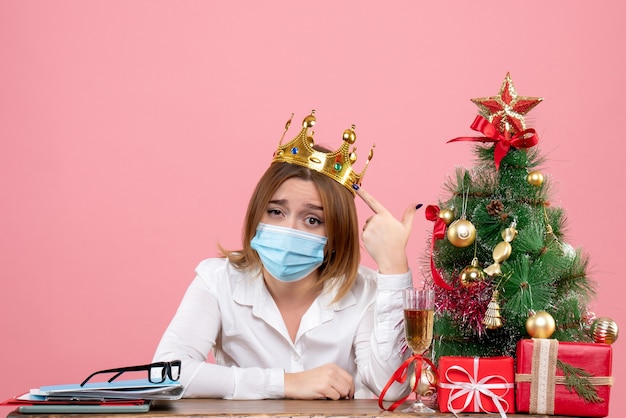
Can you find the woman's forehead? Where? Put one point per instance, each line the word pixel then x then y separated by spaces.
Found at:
pixel 298 190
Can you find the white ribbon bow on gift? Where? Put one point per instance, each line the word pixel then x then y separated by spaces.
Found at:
pixel 474 388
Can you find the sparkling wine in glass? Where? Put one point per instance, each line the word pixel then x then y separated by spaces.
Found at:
pixel 419 308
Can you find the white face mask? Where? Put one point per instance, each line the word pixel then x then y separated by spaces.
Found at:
pixel 288 254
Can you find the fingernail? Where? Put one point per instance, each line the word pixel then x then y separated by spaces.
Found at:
pixel 355 186
pixel 419 205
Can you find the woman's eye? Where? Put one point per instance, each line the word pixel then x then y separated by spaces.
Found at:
pixel 313 221
pixel 274 212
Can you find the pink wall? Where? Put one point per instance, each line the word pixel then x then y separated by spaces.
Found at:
pixel 132 133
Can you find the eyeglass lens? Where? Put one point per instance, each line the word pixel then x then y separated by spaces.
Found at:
pixel 159 371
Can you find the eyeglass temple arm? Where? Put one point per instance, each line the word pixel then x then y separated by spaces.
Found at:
pixel 118 372
pixel 89 377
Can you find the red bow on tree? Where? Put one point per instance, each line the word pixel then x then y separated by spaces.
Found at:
pixel 439 231
pixel 525 139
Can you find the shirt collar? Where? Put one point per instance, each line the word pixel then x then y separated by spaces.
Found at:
pixel 249 289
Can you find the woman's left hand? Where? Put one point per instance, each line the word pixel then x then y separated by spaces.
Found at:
pixel 385 237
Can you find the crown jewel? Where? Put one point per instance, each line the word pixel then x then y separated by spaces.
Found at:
pixel 336 164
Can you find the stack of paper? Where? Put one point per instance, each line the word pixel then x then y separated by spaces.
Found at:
pixel 123 389
pixel 101 397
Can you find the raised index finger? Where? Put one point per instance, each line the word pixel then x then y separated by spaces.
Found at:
pixel 369 200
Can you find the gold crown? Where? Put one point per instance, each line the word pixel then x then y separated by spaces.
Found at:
pixel 337 164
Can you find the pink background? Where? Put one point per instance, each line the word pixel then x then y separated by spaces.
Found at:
pixel 132 133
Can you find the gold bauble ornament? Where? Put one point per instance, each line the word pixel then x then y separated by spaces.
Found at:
pixel 540 325
pixel 461 233
pixel 471 274
pixel 447 215
pixel 604 330
pixel 535 178
pixel 427 385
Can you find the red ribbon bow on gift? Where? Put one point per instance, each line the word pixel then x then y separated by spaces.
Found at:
pixel 473 388
pixel 400 376
pixel 439 231
pixel 525 139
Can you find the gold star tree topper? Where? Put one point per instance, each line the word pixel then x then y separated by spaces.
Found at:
pixel 506 110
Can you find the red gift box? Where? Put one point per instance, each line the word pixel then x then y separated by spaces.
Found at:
pixel 476 384
pixel 540 383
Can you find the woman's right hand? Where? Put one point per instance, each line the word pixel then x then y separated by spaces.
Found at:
pixel 385 237
pixel 325 382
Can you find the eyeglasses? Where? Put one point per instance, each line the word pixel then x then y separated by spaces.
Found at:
pixel 157 372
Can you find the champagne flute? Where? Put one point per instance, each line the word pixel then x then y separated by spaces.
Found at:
pixel 419 308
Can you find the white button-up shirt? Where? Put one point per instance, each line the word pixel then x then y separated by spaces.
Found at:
pixel 231 313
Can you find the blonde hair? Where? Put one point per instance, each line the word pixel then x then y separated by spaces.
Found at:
pixel 342 252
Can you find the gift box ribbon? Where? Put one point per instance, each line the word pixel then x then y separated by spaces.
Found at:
pixel 474 387
pixel 543 379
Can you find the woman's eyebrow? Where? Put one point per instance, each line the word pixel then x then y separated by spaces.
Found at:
pixel 283 202
pixel 278 202
pixel 313 206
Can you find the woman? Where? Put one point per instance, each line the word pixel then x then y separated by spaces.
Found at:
pixel 292 314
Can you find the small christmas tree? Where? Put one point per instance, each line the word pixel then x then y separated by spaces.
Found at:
pixel 499 262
